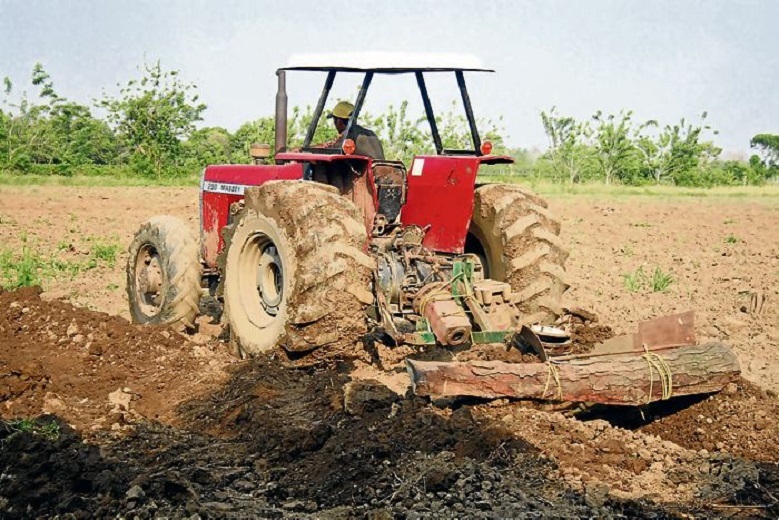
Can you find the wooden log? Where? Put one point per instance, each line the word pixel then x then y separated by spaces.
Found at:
pixel 624 379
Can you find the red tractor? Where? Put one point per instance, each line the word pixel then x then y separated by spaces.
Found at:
pixel 327 246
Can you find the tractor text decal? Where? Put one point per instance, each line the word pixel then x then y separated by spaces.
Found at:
pixel 220 187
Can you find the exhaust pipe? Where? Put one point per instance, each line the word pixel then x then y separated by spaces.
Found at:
pixel 281 112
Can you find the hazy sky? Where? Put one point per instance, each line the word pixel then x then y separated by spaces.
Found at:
pixel 662 59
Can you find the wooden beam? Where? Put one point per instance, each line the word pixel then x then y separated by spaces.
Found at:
pixel 627 379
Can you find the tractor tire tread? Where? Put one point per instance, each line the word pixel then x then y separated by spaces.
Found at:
pixel 523 247
pixel 182 269
pixel 326 239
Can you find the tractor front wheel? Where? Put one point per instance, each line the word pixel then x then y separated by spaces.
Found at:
pixel 163 273
pixel 295 274
pixel 517 238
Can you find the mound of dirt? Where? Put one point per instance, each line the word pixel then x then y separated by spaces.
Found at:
pixel 743 421
pixel 626 464
pixel 94 370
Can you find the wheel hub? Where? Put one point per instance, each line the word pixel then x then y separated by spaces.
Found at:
pixel 270 280
pixel 149 277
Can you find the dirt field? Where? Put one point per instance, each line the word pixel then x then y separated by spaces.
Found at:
pixel 155 423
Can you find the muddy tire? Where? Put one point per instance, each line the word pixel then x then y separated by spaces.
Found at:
pixel 518 240
pixel 163 273
pixel 295 274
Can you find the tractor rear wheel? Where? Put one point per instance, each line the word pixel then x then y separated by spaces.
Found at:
pixel 163 273
pixel 295 274
pixel 517 238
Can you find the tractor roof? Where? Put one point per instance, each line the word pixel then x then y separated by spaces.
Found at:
pixel 386 62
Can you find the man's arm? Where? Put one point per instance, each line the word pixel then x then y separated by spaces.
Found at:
pixel 332 143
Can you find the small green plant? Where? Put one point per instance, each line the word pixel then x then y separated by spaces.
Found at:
pixel 732 239
pixel 20 271
pixel 47 429
pixel 112 287
pixel 639 280
pixel 27 269
pixel 728 221
pixel 641 224
pixel 660 281
pixel 627 250
pixel 634 281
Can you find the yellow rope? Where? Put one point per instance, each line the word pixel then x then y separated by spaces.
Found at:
pixel 656 362
pixel 434 295
pixel 442 293
pixel 552 372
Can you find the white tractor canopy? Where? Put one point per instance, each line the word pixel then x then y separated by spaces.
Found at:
pixel 386 62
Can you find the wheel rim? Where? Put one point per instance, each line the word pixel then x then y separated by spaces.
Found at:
pixel 261 279
pixel 270 279
pixel 149 279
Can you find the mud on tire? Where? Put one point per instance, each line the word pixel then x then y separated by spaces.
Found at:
pixel 295 274
pixel 163 273
pixel 519 239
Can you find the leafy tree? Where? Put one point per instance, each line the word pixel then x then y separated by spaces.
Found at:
pixel 768 144
pixel 210 145
pixel 51 130
pixel 614 149
pixel 79 138
pixel 152 116
pixel 568 152
pixel 677 151
pixel 27 140
pixel 260 130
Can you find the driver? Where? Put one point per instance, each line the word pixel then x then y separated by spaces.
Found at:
pixel 366 141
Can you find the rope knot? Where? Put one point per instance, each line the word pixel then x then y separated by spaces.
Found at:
pixel 657 363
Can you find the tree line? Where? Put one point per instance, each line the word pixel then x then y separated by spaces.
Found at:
pixel 150 129
pixel 615 148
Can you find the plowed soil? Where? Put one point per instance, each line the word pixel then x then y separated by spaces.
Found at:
pixel 150 421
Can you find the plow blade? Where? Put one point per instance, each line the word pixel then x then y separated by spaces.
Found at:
pixel 620 379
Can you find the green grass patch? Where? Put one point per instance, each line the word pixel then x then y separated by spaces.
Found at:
pixel 732 239
pixel 27 266
pixel 21 270
pixel 7 179
pixel 105 252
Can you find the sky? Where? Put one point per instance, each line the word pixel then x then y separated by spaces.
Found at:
pixel 664 60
